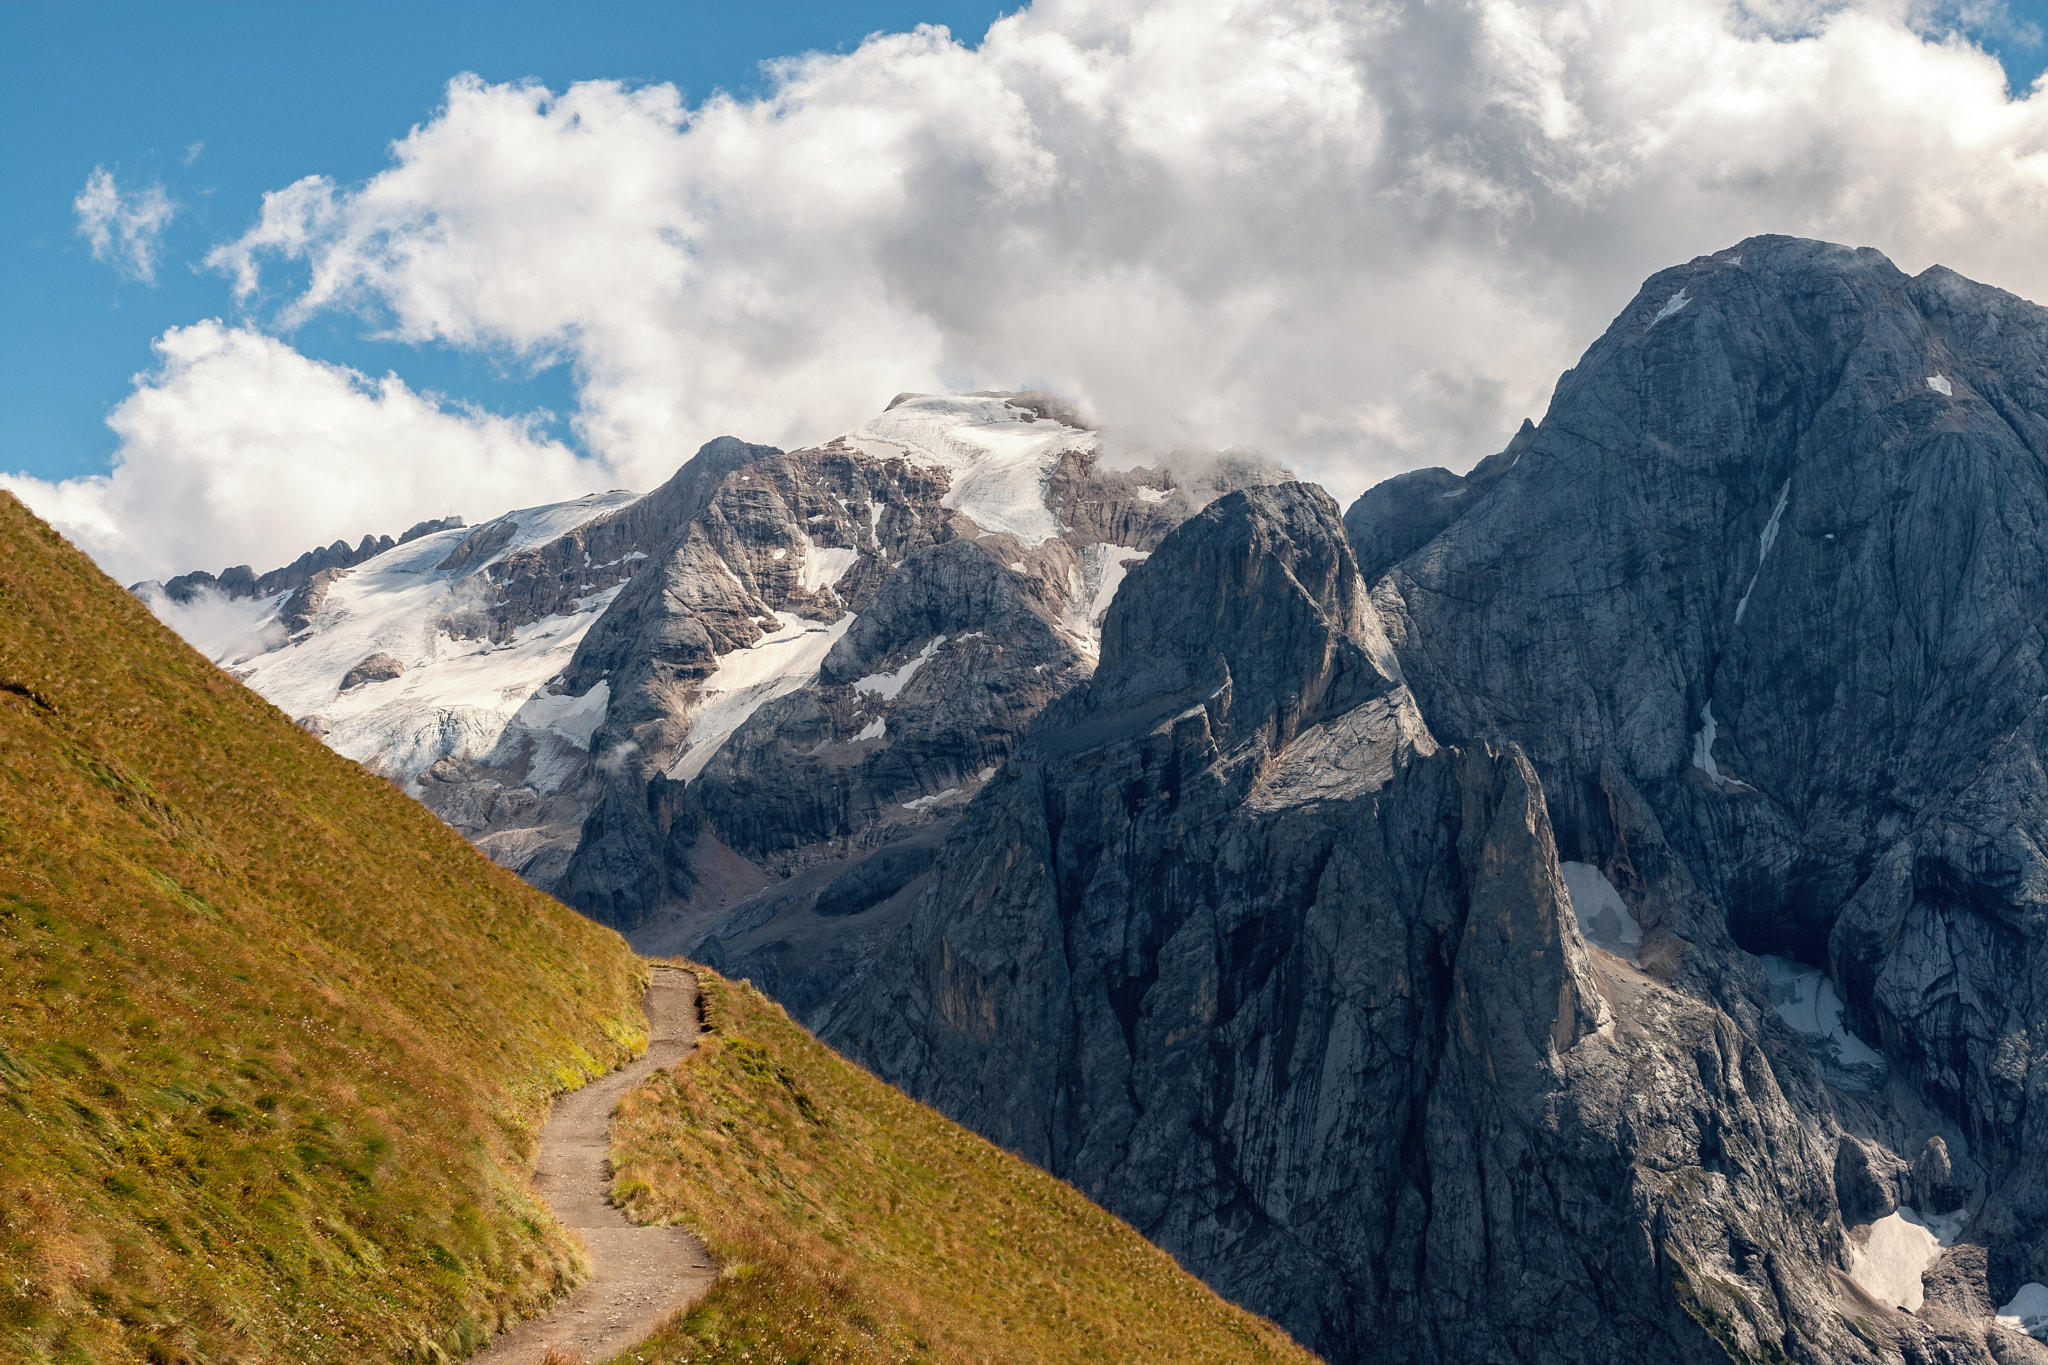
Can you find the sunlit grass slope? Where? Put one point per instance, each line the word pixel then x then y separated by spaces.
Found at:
pixel 857 1225
pixel 273 1041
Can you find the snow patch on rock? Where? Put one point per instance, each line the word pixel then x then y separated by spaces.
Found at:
pixel 887 685
pixel 573 718
pixel 1765 541
pixel 823 565
pixel 1602 915
pixel 1897 1251
pixel 2028 1311
pixel 1677 302
pixel 1939 383
pixel 1091 587
pixel 746 679
pixel 1703 754
pixel 1808 1001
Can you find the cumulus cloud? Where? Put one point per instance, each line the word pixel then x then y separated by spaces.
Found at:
pixel 1357 236
pixel 124 230
pixel 1360 237
pixel 238 449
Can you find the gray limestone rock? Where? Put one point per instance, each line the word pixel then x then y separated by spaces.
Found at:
pixel 946 638
pixel 1764 562
pixel 303 606
pixel 1392 520
pixel 1235 946
pixel 378 667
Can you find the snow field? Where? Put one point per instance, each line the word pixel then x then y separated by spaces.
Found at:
pixel 998 457
pixel 457 697
pixel 746 679
pixel 888 685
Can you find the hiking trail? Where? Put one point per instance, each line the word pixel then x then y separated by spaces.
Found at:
pixel 639 1276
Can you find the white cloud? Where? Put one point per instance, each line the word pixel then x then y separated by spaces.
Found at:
pixel 123 230
pixel 218 626
pixel 1360 237
pixel 1357 236
pixel 237 449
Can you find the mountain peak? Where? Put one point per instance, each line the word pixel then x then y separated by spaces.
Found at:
pixel 1253 609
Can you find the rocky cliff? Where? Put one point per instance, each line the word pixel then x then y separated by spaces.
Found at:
pixel 1755 599
pixel 1614 939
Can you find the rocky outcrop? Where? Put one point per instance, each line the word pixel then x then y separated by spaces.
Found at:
pixel 243 581
pixel 303 606
pixel 1756 575
pixel 378 667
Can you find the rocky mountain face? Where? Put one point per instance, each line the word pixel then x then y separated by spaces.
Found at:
pixel 243 581
pixel 1757 601
pixel 654 706
pixel 1612 934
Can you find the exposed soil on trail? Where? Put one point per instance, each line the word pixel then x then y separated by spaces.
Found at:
pixel 639 1275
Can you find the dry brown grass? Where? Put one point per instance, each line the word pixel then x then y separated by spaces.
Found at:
pixel 856 1225
pixel 273 1041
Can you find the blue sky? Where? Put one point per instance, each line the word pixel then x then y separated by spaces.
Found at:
pixel 221 102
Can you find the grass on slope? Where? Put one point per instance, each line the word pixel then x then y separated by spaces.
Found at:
pixel 273 1040
pixel 856 1225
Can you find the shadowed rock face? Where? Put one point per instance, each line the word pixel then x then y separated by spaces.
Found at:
pixel 1292 980
pixel 1812 497
pixel 1392 520
pixel 1237 948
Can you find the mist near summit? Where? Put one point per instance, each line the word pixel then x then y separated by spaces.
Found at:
pixel 1359 238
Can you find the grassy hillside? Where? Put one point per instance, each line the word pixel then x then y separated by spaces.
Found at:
pixel 273 1041
pixel 856 1225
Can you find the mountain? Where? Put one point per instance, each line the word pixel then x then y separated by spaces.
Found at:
pixel 274 1042
pixel 1611 931
pixel 1587 908
pixel 778 662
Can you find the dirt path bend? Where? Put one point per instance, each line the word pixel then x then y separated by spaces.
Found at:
pixel 639 1275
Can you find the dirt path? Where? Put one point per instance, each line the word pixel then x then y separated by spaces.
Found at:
pixel 639 1275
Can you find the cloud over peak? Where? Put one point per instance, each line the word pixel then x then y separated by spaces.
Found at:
pixel 238 449
pixel 1359 237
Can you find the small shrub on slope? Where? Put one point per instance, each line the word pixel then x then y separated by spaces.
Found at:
pixel 273 1041
pixel 856 1225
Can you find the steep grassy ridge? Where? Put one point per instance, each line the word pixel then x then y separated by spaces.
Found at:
pixel 856 1225
pixel 273 1041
